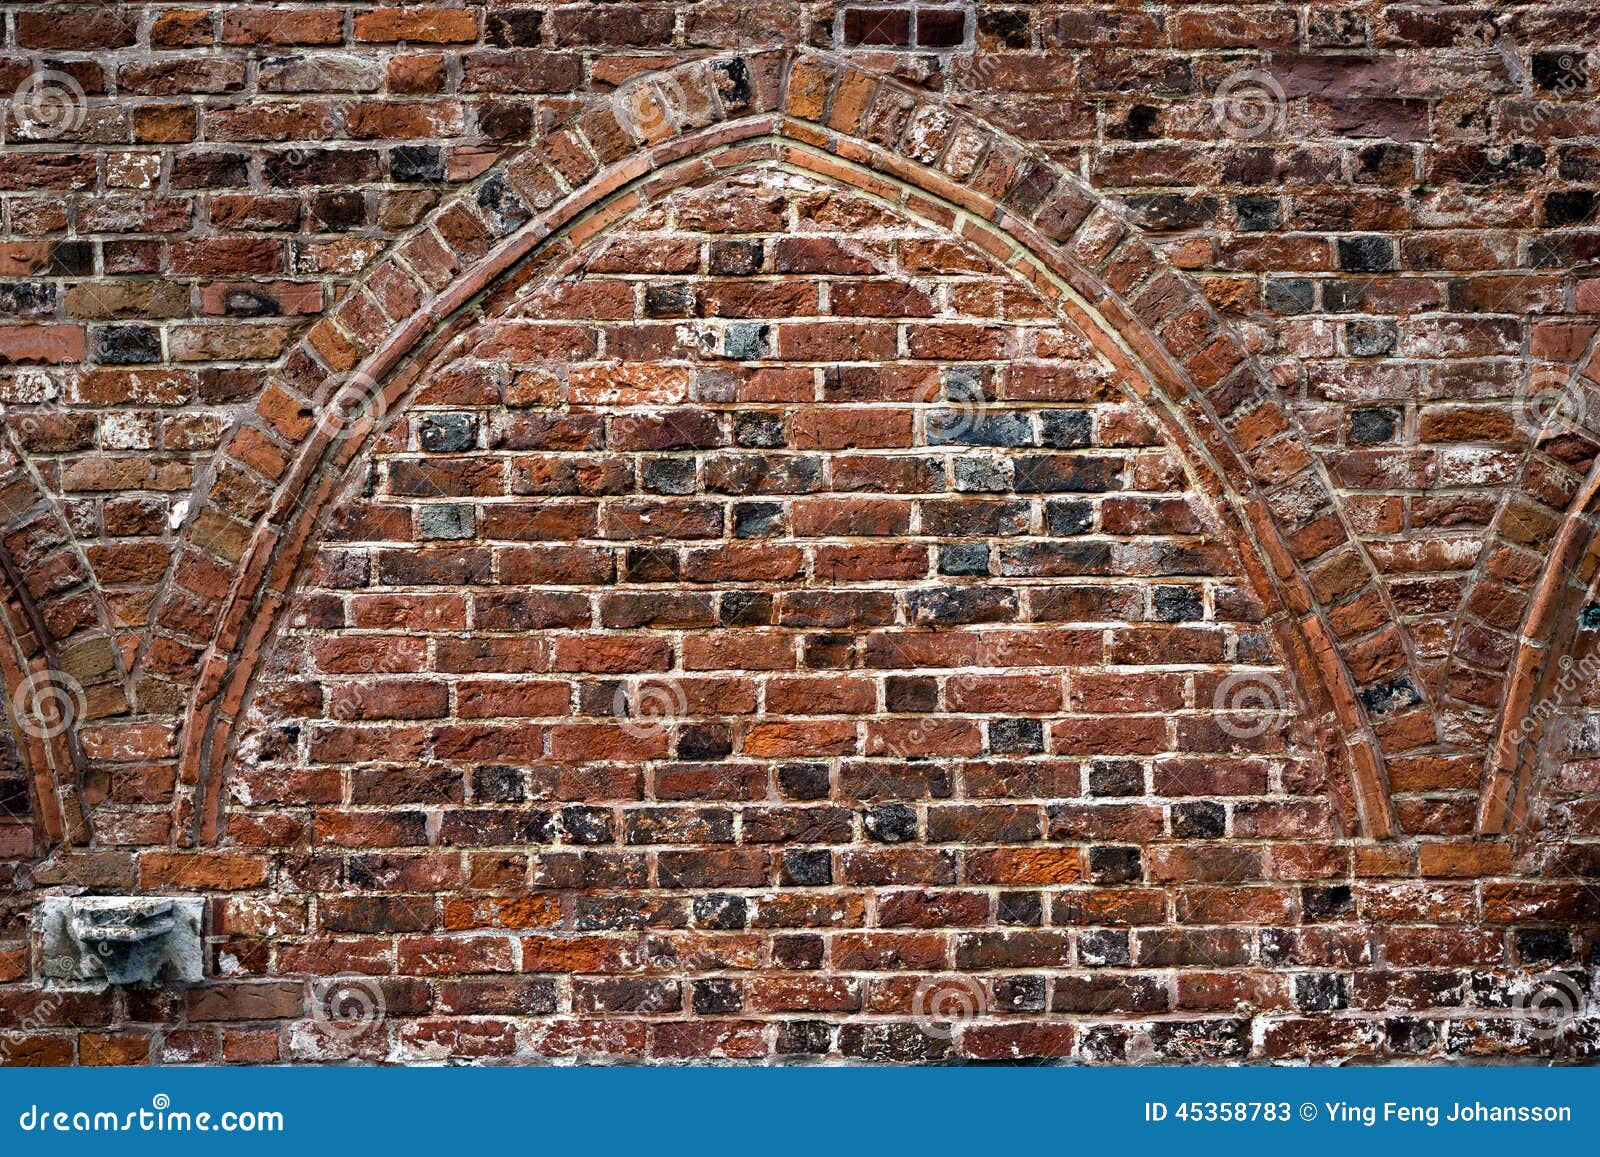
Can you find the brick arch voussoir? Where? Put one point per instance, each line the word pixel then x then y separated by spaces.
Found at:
pixel 246 535
pixel 1569 454
pixel 64 673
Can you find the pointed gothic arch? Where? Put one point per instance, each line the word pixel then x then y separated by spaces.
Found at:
pixel 240 554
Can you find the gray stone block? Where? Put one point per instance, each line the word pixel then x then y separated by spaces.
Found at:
pixel 123 940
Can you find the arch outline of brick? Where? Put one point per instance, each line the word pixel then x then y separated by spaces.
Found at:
pixel 237 561
pixel 60 662
pixel 1549 623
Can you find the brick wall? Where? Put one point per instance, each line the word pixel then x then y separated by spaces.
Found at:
pixel 886 532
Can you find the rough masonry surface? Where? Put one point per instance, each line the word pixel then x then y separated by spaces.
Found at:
pixel 786 532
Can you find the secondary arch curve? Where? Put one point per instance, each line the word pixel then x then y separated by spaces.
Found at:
pixel 1564 459
pixel 61 664
pixel 241 550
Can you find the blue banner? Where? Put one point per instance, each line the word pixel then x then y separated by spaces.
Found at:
pixel 663 1112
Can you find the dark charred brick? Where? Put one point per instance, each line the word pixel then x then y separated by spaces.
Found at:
pixel 759 430
pixel 758 519
pixel 337 212
pixel 891 823
pixel 668 299
pixel 964 559
pixel 1561 72
pixel 513 27
pixel 1330 902
pixel 716 997
pixel 448 433
pixel 1544 945
pixel 501 204
pixel 1390 696
pixel 1256 214
pixel 668 475
pixel 1104 948
pixel 736 258
pixel 587 825
pixel 496 783
pixel 72 259
pixel 892 1043
pixel 720 912
pixel 804 781
pixel 1374 426
pixel 1177 604
pixel 1290 295
pixel 1321 992
pixel 416 163
pixel 745 341
pixel 829 652
pixel 1200 819
pixel 1066 429
pixel 804 1037
pixel 806 869
pixel 1366 254
pixel 127 345
pixel 1016 736
pixel 1115 865
pixel 1410 1036
pixel 1371 339
pixel 1116 777
pixel 744 608
pixel 1568 208
pixel 1020 994
pixel 644 564
pixel 705 741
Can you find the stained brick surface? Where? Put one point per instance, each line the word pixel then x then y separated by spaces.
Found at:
pixel 892 532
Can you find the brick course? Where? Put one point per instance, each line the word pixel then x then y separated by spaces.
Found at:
pixel 898 532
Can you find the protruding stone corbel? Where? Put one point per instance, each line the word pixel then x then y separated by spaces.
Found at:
pixel 122 940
